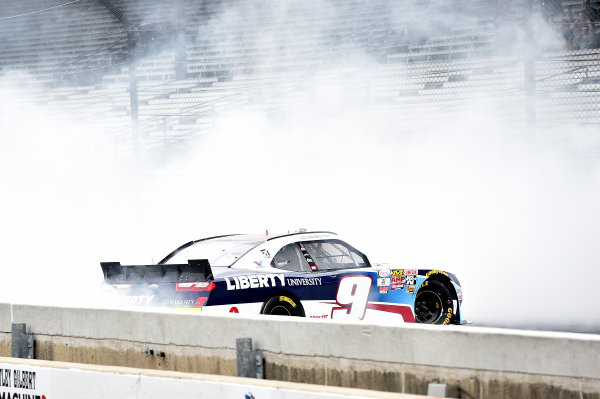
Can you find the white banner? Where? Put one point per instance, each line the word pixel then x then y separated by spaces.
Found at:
pixel 24 382
pixel 31 382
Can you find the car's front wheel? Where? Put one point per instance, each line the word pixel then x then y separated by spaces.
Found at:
pixel 282 305
pixel 434 304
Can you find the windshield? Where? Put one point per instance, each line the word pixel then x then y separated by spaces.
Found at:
pixel 335 254
pixel 222 251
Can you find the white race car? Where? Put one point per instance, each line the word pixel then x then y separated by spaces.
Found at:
pixel 307 274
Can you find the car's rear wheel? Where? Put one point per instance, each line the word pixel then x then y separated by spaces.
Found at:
pixel 434 304
pixel 282 305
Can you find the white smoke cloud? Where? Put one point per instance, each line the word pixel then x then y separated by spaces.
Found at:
pixel 511 210
pixel 65 193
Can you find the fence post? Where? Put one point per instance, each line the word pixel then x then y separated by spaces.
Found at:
pixel 22 343
pixel 132 59
pixel 249 362
pixel 529 49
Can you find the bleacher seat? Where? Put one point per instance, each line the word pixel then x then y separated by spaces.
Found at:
pixel 249 53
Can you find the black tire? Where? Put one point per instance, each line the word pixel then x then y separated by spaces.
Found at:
pixel 434 304
pixel 282 305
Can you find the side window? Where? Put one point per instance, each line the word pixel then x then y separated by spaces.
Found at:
pixel 290 258
pixel 335 254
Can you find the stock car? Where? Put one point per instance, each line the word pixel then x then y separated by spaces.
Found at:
pixel 306 274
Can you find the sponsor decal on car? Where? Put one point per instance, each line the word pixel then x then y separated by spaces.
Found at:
pixel 265 253
pixel 309 259
pixel 195 286
pixel 411 280
pixel 296 282
pixel 288 300
pixel 398 273
pixel 200 301
pixel 448 316
pixel 383 290
pixel 353 297
pixel 411 272
pixel 383 282
pixel 254 281
pixel 178 302
pixel 136 299
pixel 325 316
pixel 410 289
pixel 436 272
pixel 398 280
pixel 385 272
pixel 397 286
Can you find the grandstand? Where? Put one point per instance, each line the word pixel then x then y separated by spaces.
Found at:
pixel 170 68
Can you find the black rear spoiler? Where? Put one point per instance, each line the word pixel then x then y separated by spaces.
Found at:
pixel 195 270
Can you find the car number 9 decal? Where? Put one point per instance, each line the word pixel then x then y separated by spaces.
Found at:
pixel 352 296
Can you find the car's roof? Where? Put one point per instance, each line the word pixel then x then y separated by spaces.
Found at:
pixel 301 235
pixel 241 245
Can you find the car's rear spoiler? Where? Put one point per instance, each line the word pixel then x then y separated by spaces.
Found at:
pixel 195 270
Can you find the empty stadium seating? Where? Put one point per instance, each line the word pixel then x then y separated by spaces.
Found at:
pixel 75 56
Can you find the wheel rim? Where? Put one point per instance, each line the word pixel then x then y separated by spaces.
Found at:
pixel 280 311
pixel 428 307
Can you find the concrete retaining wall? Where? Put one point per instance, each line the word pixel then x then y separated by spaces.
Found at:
pixel 475 362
